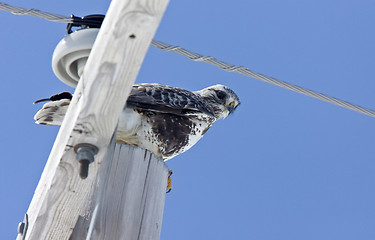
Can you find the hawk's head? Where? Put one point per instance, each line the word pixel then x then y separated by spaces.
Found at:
pixel 221 98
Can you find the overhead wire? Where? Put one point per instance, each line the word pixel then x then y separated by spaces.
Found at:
pixel 34 12
pixel 207 59
pixel 247 72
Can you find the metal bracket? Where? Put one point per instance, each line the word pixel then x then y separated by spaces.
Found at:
pixel 89 21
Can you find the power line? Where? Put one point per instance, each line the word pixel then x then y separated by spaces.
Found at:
pixel 247 72
pixel 207 59
pixel 34 12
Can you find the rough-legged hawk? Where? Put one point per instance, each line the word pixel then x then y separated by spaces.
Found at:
pixel 165 120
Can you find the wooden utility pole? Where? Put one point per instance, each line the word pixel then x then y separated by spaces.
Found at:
pixel 130 198
pixel 123 195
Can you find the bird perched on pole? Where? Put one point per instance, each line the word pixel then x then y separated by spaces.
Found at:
pixel 164 120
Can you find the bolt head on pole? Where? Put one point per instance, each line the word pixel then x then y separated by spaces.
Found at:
pixel 71 53
pixel 85 155
pixel 21 227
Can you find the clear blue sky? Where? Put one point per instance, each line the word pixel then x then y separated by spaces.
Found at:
pixel 284 167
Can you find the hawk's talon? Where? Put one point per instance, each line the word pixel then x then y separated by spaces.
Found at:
pixel 169 181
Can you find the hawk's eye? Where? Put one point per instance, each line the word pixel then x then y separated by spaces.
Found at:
pixel 221 95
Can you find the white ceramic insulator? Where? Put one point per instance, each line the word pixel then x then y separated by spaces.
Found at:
pixel 70 55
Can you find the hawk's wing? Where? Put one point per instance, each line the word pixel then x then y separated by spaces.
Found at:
pixel 160 98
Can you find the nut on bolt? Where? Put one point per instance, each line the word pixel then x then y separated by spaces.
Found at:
pixel 85 155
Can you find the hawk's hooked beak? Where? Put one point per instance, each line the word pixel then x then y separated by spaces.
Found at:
pixel 230 107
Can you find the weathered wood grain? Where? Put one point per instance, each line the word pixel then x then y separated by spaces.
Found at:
pixel 62 200
pixel 131 203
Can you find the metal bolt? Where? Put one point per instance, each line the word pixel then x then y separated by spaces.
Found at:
pixel 21 227
pixel 85 156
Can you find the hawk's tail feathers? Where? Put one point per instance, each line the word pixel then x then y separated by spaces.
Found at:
pixel 52 113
